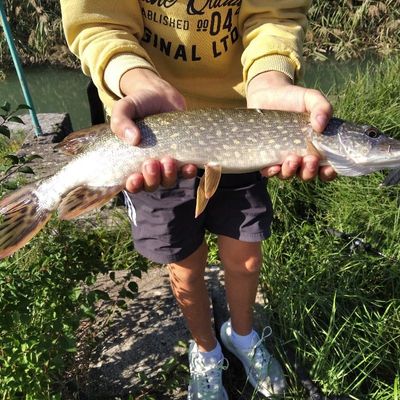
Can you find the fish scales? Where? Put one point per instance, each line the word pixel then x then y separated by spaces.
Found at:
pixel 189 138
pixel 221 141
pixel 240 141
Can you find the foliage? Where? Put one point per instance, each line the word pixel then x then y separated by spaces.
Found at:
pixel 37 31
pixel 350 28
pixel 44 291
pixel 44 294
pixel 13 163
pixel 336 303
pixel 345 28
pixel 9 115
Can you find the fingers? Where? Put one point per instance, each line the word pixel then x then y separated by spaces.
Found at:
pixel 306 168
pixel 151 171
pixel 290 166
pixel 287 170
pixel 188 171
pixel 134 183
pixel 154 173
pixel 327 173
pixel 150 177
pixel 121 122
pixel 169 172
pixel 309 168
pixel 269 172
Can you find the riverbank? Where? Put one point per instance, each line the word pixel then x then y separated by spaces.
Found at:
pixel 49 85
pixel 330 296
pixel 342 28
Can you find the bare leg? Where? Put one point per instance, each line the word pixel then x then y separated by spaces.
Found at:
pixel 188 285
pixel 242 262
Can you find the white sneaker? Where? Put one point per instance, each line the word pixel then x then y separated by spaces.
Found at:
pixel 262 369
pixel 205 379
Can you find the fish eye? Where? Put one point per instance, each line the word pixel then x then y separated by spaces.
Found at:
pixel 372 132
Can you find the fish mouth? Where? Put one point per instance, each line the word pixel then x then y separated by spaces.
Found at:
pixel 382 163
pixel 370 153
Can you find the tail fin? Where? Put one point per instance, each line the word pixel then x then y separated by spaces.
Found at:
pixel 21 218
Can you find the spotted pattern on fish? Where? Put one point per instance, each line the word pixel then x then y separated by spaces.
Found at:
pixel 232 141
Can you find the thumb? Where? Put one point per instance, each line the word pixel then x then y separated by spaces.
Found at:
pixel 320 109
pixel 121 122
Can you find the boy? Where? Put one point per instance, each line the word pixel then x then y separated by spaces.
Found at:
pixel 154 56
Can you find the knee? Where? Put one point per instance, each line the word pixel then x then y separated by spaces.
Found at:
pixel 244 266
pixel 183 278
pixel 190 271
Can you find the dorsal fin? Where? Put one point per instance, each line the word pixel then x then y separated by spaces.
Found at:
pixel 76 141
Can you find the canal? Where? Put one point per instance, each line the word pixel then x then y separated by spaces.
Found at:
pixel 57 90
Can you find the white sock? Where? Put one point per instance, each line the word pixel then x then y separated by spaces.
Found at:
pixel 243 342
pixel 212 356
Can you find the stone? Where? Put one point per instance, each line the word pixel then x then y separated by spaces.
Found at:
pixel 55 128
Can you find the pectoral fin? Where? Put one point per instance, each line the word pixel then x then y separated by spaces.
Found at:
pixel 311 149
pixel 207 186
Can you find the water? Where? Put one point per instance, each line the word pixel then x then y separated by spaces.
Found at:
pixel 53 90
pixel 58 90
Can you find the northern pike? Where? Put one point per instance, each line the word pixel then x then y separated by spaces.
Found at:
pixel 221 141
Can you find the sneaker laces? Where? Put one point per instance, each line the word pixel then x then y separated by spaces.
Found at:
pixel 209 375
pixel 259 355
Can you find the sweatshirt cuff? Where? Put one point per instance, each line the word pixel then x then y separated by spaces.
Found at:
pixel 120 64
pixel 272 63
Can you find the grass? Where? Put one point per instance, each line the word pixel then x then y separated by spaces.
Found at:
pixel 335 303
pixel 45 295
pixel 349 29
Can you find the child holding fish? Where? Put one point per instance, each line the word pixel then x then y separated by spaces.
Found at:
pixel 153 56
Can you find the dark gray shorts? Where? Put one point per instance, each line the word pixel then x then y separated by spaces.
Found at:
pixel 164 228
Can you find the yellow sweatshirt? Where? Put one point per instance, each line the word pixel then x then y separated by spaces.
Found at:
pixel 208 49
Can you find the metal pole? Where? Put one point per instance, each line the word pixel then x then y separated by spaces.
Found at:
pixel 18 68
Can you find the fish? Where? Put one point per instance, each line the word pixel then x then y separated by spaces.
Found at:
pixel 222 141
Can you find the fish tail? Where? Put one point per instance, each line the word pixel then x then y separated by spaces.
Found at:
pixel 21 218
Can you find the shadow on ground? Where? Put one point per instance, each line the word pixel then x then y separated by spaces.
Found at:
pixel 143 338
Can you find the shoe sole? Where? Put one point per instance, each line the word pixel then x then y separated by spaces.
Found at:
pixel 225 395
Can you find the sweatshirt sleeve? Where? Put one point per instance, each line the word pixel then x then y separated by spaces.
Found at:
pixel 104 35
pixel 273 34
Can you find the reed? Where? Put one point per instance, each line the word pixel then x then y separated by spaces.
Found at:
pixel 336 304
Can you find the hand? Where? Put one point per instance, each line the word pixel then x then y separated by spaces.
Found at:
pixel 274 91
pixel 146 93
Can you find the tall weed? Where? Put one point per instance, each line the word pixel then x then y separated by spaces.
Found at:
pixel 37 31
pixel 44 296
pixel 349 29
pixel 330 297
